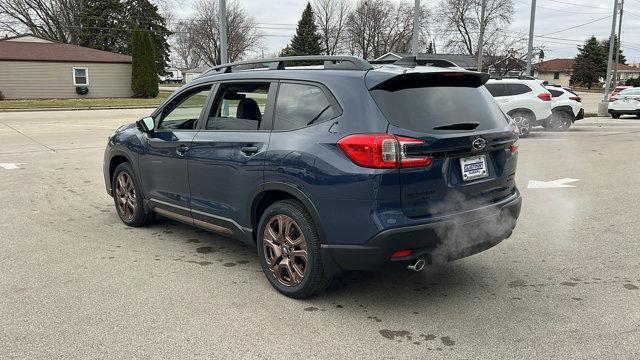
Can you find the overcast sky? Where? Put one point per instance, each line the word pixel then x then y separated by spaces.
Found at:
pixel 277 20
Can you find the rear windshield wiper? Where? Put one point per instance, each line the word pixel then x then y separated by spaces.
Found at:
pixel 458 126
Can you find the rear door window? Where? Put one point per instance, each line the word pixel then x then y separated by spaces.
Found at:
pixel 518 89
pixel 422 108
pixel 300 105
pixel 497 90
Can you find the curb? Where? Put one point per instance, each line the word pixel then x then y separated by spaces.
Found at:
pixel 81 108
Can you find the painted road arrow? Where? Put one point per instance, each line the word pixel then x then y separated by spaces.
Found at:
pixel 560 183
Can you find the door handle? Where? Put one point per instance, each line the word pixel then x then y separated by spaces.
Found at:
pixel 182 149
pixel 249 150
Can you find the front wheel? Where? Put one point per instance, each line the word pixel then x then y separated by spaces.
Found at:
pixel 289 250
pixel 560 121
pixel 128 198
pixel 524 121
pixel 615 115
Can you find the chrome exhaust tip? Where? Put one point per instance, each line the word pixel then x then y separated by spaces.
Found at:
pixel 417 266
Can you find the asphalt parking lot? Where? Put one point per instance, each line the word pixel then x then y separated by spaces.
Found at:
pixel 78 283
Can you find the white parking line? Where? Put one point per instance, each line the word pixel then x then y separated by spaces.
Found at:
pixel 10 166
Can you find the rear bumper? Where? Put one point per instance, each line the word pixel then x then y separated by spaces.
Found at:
pixel 624 111
pixel 580 115
pixel 437 241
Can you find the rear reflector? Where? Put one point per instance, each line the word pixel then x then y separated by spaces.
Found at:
pixel 514 148
pixel 576 98
pixel 401 253
pixel 545 96
pixel 382 151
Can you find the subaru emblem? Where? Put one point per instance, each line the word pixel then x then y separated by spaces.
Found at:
pixel 479 144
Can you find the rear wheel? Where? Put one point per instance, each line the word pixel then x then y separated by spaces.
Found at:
pixel 289 250
pixel 127 197
pixel 615 115
pixel 524 121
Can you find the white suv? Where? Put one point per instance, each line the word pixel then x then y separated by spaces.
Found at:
pixel 626 102
pixel 566 107
pixel 524 99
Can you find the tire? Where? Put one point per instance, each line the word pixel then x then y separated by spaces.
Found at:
pixel 127 197
pixel 524 121
pixel 292 275
pixel 560 121
pixel 615 115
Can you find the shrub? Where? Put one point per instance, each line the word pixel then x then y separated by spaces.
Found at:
pixel 1 96
pixel 82 90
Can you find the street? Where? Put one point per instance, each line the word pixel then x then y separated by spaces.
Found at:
pixel 76 282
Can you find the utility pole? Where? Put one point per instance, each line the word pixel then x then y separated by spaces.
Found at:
pixel 483 8
pixel 611 47
pixel 532 22
pixel 223 32
pixel 416 28
pixel 618 43
pixel 604 104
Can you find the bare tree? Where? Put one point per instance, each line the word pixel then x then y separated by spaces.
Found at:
pixel 331 19
pixel 375 27
pixel 57 20
pixel 204 31
pixel 183 44
pixel 462 25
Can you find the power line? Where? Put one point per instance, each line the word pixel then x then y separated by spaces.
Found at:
pixel 577 26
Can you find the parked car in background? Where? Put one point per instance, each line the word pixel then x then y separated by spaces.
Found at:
pixel 524 99
pixel 627 102
pixel 566 108
pixel 342 167
pixel 172 76
pixel 617 90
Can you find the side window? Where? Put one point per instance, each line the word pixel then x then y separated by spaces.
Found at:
pixel 497 90
pixel 239 107
pixel 555 93
pixel 185 112
pixel 518 89
pixel 80 76
pixel 556 75
pixel 300 105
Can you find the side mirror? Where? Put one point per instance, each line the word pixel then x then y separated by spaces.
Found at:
pixel 146 124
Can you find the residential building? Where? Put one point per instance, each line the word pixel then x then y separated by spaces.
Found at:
pixel 34 68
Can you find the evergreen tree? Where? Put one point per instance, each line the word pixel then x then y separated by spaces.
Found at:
pixel 144 79
pixel 145 16
pixel 430 48
pixel 590 63
pixel 306 41
pixel 605 47
pixel 102 26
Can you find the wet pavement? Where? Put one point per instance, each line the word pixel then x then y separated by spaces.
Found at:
pixel 78 283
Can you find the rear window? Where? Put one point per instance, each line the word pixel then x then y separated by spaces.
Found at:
pixel 425 107
pixel 555 93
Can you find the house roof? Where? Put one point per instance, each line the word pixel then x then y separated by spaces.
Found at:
pixel 26 38
pixel 462 60
pixel 566 65
pixel 56 52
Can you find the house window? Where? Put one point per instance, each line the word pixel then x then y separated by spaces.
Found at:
pixel 80 76
pixel 556 75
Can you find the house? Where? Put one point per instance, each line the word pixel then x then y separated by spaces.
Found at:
pixel 32 67
pixel 468 62
pixel 191 74
pixel 500 66
pixel 559 71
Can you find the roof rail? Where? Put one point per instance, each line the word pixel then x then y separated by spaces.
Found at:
pixel 413 61
pixel 521 77
pixel 330 62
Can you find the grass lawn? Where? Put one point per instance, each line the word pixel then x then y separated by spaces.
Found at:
pixel 82 103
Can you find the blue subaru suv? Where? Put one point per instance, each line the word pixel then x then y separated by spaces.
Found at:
pixel 327 166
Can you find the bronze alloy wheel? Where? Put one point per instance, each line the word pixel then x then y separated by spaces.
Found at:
pixel 126 195
pixel 285 250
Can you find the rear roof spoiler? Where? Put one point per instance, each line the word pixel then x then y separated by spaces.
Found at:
pixel 414 79
pixel 413 61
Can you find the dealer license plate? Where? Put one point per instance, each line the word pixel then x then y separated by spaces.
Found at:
pixel 474 167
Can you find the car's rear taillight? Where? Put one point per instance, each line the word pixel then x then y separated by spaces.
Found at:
pixel 612 99
pixel 382 151
pixel 545 96
pixel 576 98
pixel 514 147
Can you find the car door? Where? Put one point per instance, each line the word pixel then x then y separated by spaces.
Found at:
pixel 226 160
pixel 500 93
pixel 162 163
